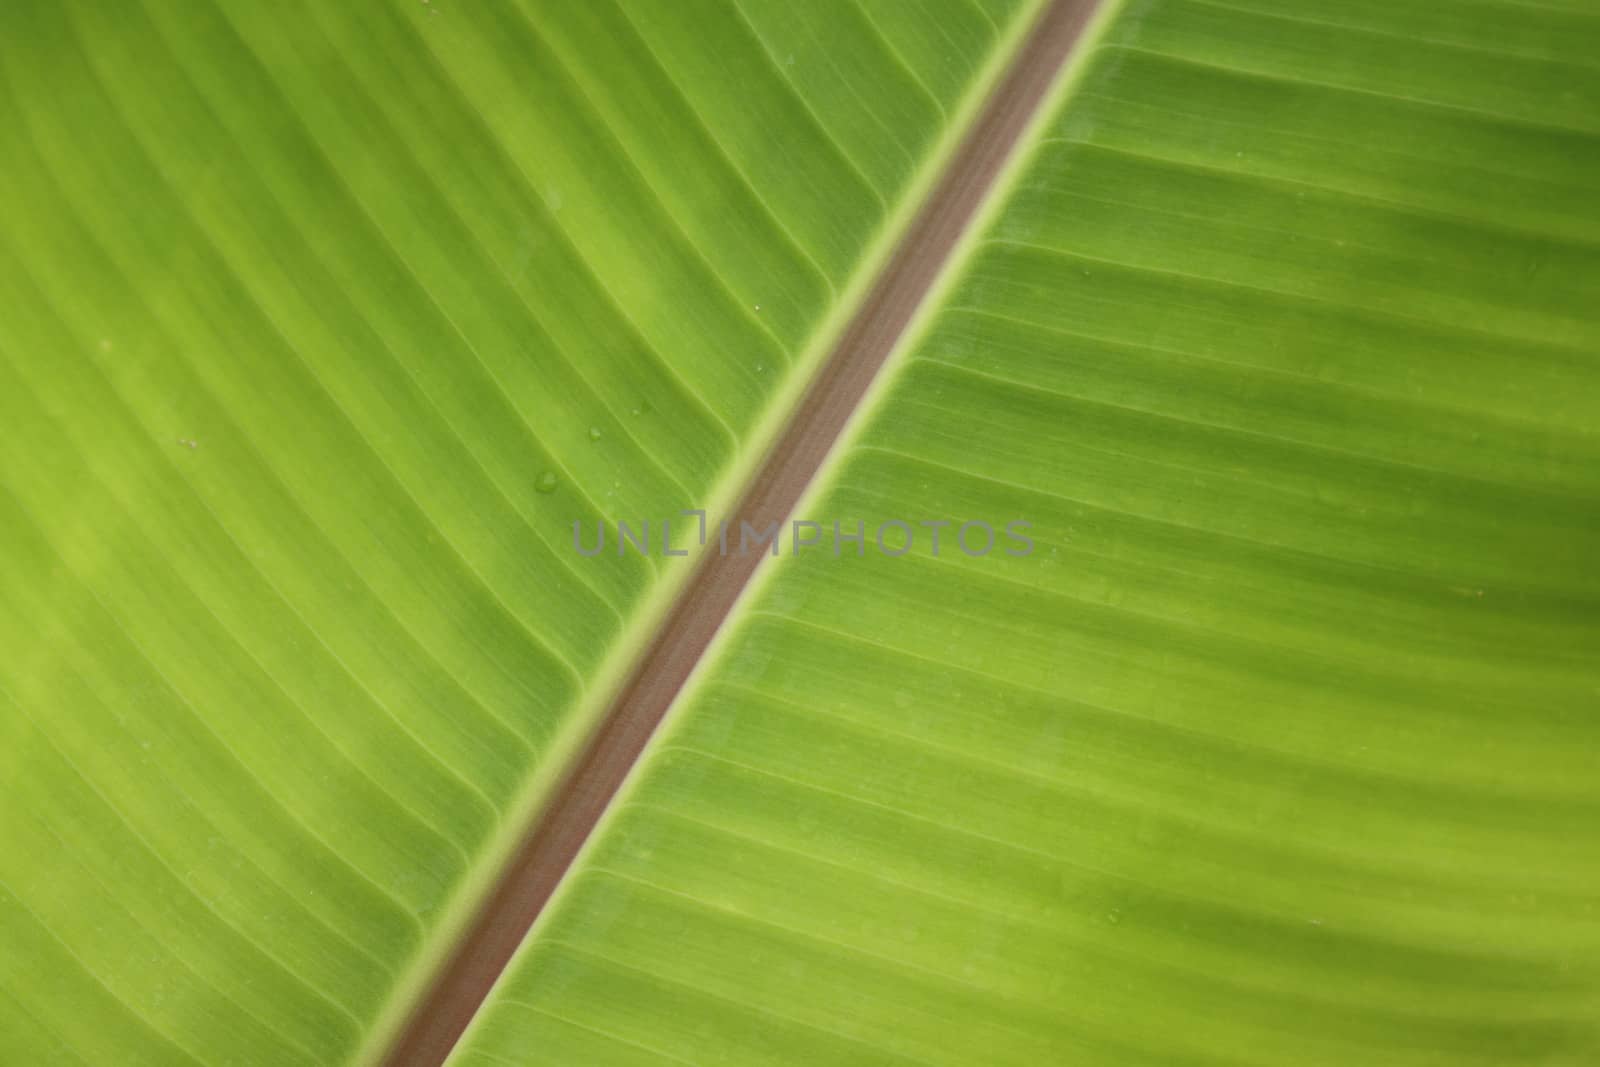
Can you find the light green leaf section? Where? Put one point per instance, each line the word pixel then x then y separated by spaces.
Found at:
pixel 1283 745
pixel 320 324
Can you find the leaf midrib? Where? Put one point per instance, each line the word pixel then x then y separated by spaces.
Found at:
pixel 669 637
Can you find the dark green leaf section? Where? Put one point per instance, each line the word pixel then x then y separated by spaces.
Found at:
pixel 320 324
pixel 1281 746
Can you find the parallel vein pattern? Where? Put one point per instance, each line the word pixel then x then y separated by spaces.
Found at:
pixel 1281 746
pixel 319 326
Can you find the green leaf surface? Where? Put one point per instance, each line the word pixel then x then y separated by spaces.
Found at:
pixel 320 324
pixel 1283 745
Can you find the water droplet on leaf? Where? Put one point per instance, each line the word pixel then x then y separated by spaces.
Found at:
pixel 547 482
